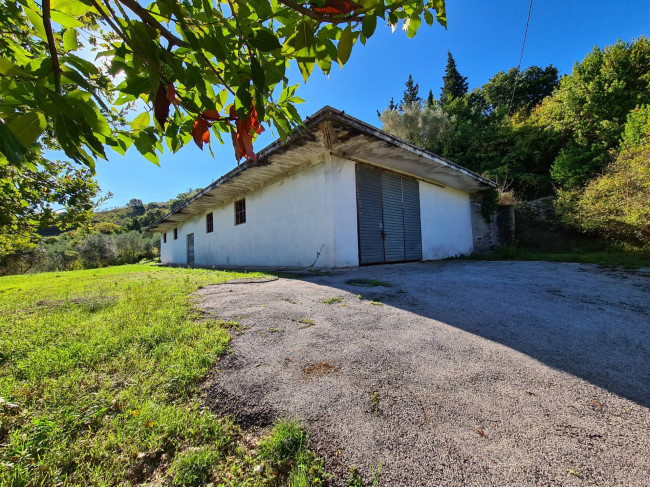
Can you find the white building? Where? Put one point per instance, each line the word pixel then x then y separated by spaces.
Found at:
pixel 340 189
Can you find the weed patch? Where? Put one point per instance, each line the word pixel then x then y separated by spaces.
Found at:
pixel 367 283
pixel 319 369
pixel 333 300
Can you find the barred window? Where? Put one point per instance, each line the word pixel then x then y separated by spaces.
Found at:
pixel 240 212
pixel 209 223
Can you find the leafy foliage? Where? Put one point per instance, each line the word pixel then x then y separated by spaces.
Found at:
pixel 37 194
pixel 428 127
pixel 590 108
pixel 220 66
pixel 616 203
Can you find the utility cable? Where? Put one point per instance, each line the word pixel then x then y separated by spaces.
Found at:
pixel 521 56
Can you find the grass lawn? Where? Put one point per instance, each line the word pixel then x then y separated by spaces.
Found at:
pixel 628 259
pixel 99 376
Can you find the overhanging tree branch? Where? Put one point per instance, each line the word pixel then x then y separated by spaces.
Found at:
pixel 51 44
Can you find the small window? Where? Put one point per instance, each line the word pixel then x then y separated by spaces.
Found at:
pixel 240 212
pixel 165 237
pixel 209 222
pixel 175 233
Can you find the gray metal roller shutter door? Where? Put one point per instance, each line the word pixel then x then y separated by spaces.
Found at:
pixel 412 222
pixel 371 244
pixel 388 216
pixel 391 192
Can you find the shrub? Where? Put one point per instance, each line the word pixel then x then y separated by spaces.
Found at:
pixel 615 204
pixel 97 251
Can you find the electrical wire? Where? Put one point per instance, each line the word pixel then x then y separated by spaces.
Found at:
pixel 521 56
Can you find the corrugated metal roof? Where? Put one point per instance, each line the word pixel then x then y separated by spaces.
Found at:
pixel 326 131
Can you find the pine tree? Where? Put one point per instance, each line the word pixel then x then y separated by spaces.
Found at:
pixel 411 93
pixel 392 105
pixel 430 100
pixel 454 85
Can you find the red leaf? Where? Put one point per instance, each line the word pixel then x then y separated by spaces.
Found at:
pixel 201 131
pixel 235 144
pixel 171 94
pixel 242 136
pixel 161 106
pixel 336 7
pixel 255 123
pixel 212 115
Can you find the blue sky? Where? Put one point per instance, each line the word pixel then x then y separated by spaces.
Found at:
pixel 484 37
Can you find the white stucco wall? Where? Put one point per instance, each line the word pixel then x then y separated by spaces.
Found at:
pixel 287 222
pixel 446 222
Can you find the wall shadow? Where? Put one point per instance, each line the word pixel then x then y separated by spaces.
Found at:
pixel 589 321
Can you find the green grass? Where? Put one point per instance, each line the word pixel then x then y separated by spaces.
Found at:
pixel 368 283
pixel 628 259
pixel 333 300
pixel 99 372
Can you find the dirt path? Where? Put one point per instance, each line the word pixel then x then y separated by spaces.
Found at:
pixel 459 373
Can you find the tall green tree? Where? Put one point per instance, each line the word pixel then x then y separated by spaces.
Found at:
pixel 533 85
pixel 454 85
pixel 591 105
pixel 410 93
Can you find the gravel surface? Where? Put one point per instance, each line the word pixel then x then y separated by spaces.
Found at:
pixel 460 373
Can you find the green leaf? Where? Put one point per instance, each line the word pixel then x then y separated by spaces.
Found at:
pixel 243 100
pixel 64 20
pixel 10 69
pixel 368 25
pixel 145 143
pixel 76 8
pixel 441 13
pixel 37 21
pixel 28 127
pixel 428 17
pixel 86 67
pixel 10 145
pixel 306 66
pixel 70 40
pixel 257 73
pixel 141 121
pixel 414 25
pixel 264 40
pixel 344 47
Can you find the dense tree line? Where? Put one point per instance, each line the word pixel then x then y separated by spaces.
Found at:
pixel 537 134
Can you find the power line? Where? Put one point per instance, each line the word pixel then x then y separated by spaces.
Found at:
pixel 521 56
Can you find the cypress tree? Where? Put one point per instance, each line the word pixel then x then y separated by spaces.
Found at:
pixel 411 92
pixel 454 85
pixel 430 100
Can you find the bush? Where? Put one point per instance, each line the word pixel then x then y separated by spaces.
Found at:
pixel 615 205
pixel 97 251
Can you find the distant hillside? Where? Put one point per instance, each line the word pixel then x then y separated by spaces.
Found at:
pixel 137 215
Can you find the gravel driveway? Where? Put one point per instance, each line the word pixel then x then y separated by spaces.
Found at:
pixel 460 373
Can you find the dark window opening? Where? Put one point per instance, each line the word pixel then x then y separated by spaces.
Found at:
pixel 209 223
pixel 165 237
pixel 240 212
pixel 175 233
